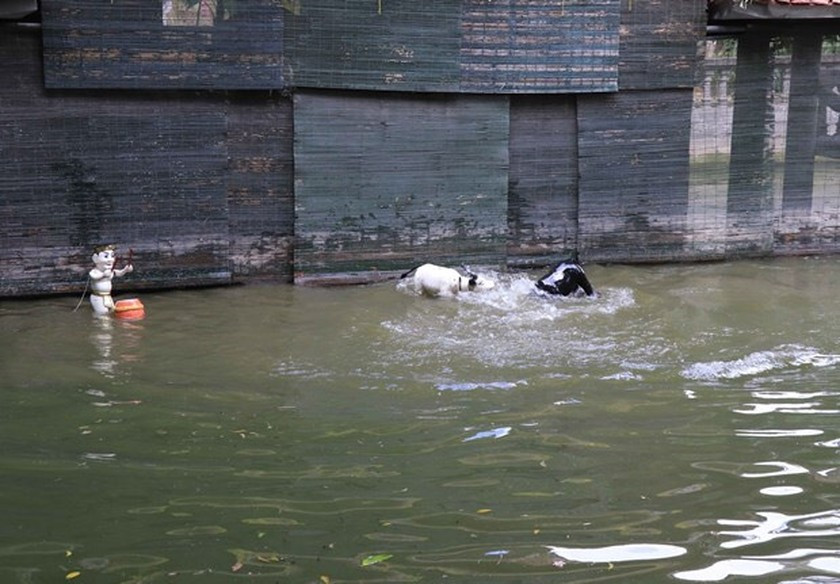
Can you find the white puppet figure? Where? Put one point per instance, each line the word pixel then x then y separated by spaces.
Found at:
pixel 433 280
pixel 100 278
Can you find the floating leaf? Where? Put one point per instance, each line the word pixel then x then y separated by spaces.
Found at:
pixel 376 558
pixel 325 579
pixel 72 575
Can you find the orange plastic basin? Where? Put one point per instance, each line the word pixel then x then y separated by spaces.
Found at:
pixel 129 309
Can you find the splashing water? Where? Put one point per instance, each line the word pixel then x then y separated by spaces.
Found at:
pixel 760 362
pixel 511 325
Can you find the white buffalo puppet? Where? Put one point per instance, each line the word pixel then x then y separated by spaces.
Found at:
pixel 433 280
pixel 566 279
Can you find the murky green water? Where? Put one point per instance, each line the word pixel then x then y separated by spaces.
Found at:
pixel 681 427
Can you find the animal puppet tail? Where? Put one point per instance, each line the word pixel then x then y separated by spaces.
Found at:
pixel 408 273
pixel 468 271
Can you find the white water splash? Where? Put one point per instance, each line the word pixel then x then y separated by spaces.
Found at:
pixel 471 386
pixel 782 357
pixel 511 326
pixel 494 433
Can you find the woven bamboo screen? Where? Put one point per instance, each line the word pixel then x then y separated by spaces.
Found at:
pixel 633 174
pixel 543 179
pixel 765 147
pixel 163 44
pixel 504 46
pixel 386 182
pixel 659 43
pixel 198 185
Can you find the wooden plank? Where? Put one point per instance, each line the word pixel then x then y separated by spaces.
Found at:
pixel 99 179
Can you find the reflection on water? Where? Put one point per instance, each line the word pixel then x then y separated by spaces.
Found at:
pixel 618 553
pixel 773 526
pixel 681 426
pixel 112 360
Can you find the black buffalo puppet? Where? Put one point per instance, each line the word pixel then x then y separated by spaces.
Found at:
pixel 566 279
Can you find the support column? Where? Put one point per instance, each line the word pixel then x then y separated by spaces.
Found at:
pixel 750 195
pixel 803 104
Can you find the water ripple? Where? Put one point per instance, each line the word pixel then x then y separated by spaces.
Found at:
pixel 803 559
pixel 725 568
pixel 774 526
pixel 784 468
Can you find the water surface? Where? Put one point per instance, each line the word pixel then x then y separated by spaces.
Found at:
pixel 682 427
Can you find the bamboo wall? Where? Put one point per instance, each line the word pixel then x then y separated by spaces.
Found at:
pixel 197 184
pixel 321 140
pixel 130 44
pixel 383 181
